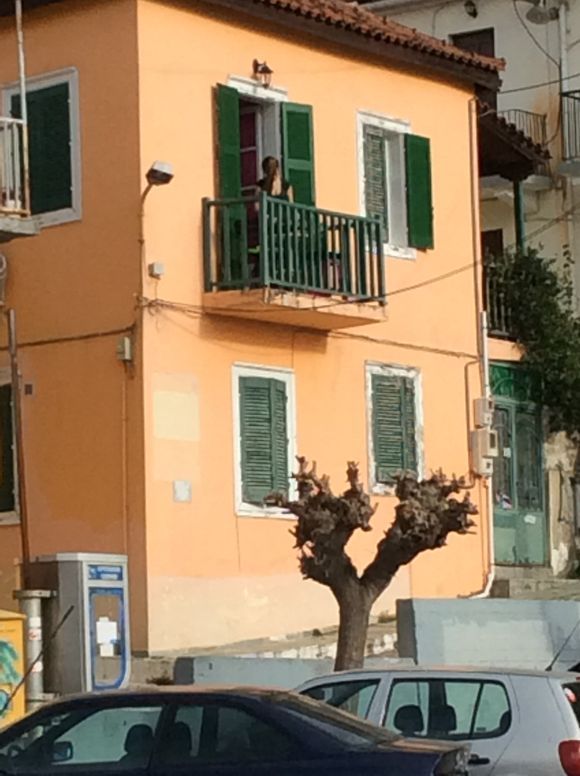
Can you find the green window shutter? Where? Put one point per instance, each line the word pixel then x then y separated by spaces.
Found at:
pixel 393 426
pixel 229 154
pixel 298 151
pixel 419 195
pixel 49 143
pixel 264 437
pixel 375 172
pixel 6 452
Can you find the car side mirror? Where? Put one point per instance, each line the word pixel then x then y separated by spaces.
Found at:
pixel 62 752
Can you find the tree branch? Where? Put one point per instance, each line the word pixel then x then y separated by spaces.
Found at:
pixel 424 518
pixel 326 523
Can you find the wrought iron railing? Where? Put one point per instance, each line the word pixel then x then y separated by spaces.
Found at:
pixel 571 125
pixel 499 319
pixel 531 124
pixel 256 242
pixel 13 185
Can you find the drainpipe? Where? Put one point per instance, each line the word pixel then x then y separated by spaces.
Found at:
pixel 519 214
pixel 23 105
pixel 483 351
pixel 564 85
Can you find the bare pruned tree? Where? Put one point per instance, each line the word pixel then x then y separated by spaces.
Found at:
pixel 426 514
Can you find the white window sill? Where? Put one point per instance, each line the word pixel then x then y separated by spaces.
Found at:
pixel 383 490
pixel 58 217
pixel 251 510
pixel 396 252
pixel 9 518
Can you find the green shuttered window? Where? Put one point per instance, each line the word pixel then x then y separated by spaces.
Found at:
pixel 419 197
pixel 49 135
pixel 393 426
pixel 264 437
pixel 230 159
pixel 397 185
pixel 298 151
pixel 375 171
pixel 6 451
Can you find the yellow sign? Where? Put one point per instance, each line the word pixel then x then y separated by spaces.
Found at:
pixel 12 706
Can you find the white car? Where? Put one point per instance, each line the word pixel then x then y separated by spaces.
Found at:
pixel 518 723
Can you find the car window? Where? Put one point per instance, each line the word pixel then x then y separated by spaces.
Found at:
pixel 220 733
pixel 572 693
pixel 354 697
pixel 87 738
pixel 458 710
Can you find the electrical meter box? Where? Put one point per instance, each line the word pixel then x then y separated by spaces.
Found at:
pixel 91 651
pixel 12 692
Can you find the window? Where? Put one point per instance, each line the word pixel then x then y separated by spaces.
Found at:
pixel 394 422
pixel 87 738
pixel 7 478
pixel 354 697
pixel 396 172
pixel 251 127
pixel 479 42
pixel 451 709
pixel 264 412
pixel 54 145
pixel 221 734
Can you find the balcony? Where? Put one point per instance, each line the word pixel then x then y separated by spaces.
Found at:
pixel 270 260
pixel 498 312
pixel 570 133
pixel 15 218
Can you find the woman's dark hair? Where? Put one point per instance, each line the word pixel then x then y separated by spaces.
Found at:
pixel 270 167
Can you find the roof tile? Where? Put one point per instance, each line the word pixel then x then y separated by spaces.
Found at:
pixel 350 16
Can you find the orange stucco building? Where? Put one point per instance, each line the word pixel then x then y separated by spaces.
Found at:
pixel 174 358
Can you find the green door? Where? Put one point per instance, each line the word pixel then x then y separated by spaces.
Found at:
pixel 520 522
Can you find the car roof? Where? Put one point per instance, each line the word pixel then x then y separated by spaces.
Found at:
pixel 451 669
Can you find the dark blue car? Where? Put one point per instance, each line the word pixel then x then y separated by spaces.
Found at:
pixel 211 732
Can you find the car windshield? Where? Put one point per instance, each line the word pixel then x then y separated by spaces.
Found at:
pixel 343 727
pixel 572 692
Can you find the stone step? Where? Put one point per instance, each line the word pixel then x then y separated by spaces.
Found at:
pixel 539 589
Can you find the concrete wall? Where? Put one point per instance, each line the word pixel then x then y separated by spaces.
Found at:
pixel 489 632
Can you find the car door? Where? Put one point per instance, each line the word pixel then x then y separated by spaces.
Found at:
pixel 473 709
pixel 223 738
pixel 82 740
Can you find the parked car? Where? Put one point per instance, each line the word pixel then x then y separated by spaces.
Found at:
pixel 242 732
pixel 518 723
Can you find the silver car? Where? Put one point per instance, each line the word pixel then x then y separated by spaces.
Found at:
pixel 519 723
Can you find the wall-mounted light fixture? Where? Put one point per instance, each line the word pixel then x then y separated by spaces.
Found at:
pixel 471 8
pixel 262 73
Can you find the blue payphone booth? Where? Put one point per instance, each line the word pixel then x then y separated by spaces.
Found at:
pixel 92 650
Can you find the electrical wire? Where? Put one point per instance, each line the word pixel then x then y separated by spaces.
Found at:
pixel 532 36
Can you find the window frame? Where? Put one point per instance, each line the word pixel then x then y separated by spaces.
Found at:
pixel 243 508
pixel 398 128
pixel 482 681
pixel 12 517
pixel 393 370
pixel 69 76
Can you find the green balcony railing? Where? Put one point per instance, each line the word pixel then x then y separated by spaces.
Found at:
pixel 257 242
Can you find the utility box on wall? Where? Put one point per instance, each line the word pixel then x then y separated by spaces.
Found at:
pixel 12 700
pixel 92 650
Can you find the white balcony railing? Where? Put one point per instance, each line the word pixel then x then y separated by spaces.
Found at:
pixel 14 196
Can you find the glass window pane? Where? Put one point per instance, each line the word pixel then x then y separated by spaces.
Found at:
pixel 123 736
pixel 493 714
pixel 453 717
pixel 502 465
pixel 408 708
pixel 354 697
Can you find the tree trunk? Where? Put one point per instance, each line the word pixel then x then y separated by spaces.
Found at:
pixel 354 606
